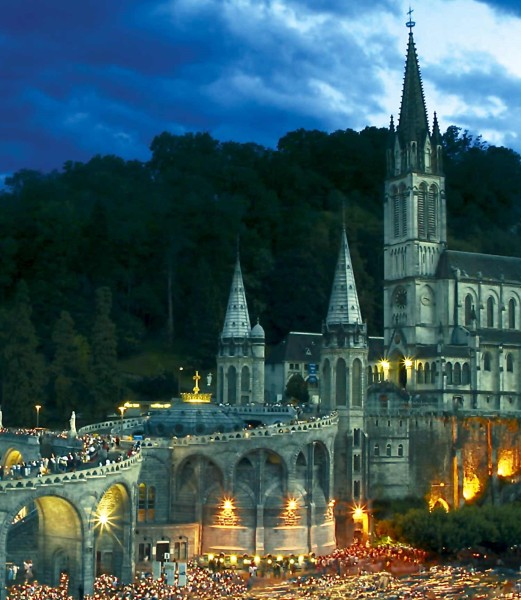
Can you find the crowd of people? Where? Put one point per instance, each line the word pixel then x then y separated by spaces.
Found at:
pixel 90 451
pixel 327 578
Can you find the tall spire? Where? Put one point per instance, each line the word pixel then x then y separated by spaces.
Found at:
pixel 344 308
pixel 413 124
pixel 237 321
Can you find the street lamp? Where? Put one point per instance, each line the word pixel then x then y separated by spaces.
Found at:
pixel 38 406
pixel 122 411
pixel 179 386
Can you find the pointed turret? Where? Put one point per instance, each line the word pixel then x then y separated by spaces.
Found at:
pixel 344 308
pixel 237 321
pixel 413 125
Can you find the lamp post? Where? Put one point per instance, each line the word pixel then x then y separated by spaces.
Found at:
pixel 38 407
pixel 122 412
pixel 179 386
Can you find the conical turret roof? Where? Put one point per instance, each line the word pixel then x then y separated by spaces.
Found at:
pixel 413 124
pixel 237 321
pixel 344 308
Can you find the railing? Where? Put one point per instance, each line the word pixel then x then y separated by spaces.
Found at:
pixel 108 426
pixel 31 483
pixel 259 432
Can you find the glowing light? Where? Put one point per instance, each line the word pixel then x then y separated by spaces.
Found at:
pixel 290 515
pixel 358 513
pixel 407 363
pixel 384 364
pixel 279 557
pixel 505 466
pixel 256 559
pixel 233 559
pixel 211 557
pixel 227 516
pixel 471 486
pixel 104 521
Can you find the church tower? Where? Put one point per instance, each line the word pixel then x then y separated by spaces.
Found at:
pixel 415 233
pixel 240 360
pixel 343 385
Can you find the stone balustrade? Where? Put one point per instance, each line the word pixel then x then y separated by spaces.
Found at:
pixel 258 432
pixel 97 472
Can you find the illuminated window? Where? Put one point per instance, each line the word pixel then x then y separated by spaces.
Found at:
pixel 146 503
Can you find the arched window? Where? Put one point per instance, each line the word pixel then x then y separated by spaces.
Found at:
pixel 388 450
pixel 341 388
pixel 377 449
pixel 400 449
pixel 376 375
pixel 448 372
pixel 465 374
pixel 510 363
pixel 433 372
pixel 357 382
pixel 146 503
pixel 427 373
pixel 457 374
pixel 422 211
pixel 486 361
pixel 370 379
pixel 245 379
pixel 490 311
pixel 468 310
pixel 511 313
pixel 419 374
pixel 432 212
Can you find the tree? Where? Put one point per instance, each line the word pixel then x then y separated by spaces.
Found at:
pixel 24 374
pixel 69 369
pixel 105 379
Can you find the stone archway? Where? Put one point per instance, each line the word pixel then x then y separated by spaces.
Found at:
pixel 112 526
pixel 48 533
pixel 13 456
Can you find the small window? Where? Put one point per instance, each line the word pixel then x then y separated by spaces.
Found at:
pixel 388 450
pixel 400 449
pixel 510 363
pixel 377 450
pixel 486 361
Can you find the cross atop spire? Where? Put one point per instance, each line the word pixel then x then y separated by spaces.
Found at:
pixel 410 23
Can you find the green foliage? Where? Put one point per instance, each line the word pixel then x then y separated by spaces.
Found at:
pixel 24 374
pixel 492 527
pixel 296 389
pixel 162 238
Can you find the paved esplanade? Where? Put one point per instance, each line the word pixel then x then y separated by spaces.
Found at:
pixel 82 516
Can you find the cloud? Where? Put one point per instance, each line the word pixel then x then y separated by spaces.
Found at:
pixel 106 77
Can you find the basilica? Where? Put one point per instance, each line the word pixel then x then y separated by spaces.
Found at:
pixel 430 410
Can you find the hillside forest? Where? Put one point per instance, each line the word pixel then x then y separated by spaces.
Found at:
pixel 107 261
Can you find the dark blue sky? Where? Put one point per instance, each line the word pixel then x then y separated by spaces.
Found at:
pixel 106 76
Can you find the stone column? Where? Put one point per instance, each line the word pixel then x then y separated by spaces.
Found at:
pixel 86 579
pixel 259 530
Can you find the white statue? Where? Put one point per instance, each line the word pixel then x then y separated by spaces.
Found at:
pixel 209 379
pixel 72 423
